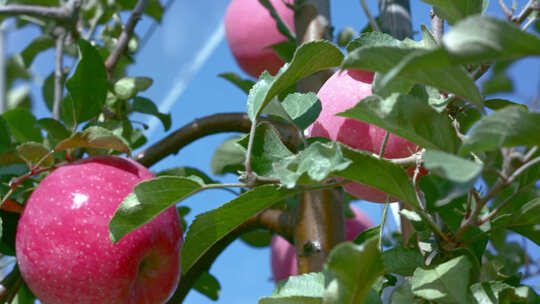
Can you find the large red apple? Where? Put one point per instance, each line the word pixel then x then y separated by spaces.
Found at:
pixel 283 254
pixel 63 246
pixel 250 31
pixel 343 90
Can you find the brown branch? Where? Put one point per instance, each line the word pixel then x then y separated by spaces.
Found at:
pixel 66 13
pixel 395 18
pixel 125 35
pixel 213 124
pixel 529 7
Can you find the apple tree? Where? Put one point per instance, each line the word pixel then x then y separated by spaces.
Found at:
pixel 331 118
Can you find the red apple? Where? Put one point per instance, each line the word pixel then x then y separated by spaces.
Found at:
pixel 340 92
pixel 283 253
pixel 63 246
pixel 250 31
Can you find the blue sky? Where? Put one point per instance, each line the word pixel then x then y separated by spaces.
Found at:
pixel 184 57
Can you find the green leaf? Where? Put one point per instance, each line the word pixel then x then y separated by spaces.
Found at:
pixel 285 50
pixel 408 117
pixel 302 108
pixel 455 10
pixel 257 238
pixel 498 80
pixel 208 285
pixel 302 289
pixel 498 292
pixel 146 106
pixel 508 127
pixel 371 39
pixel 526 221
pixel 94 137
pixel 228 158
pixel 402 261
pixel 451 167
pixel 54 128
pixel 499 103
pixel 210 227
pixel 281 25
pixel 434 68
pixel 127 87
pixel 309 58
pixel 5 136
pixel 483 39
pixel 37 46
pixel 313 164
pixel 354 268
pixel 378 173
pixel 88 85
pixel 22 125
pixel 403 294
pixel 243 84
pixel 154 8
pixel 187 172
pixel 267 149
pixel 446 283
pixel 439 191
pixel 33 152
pixel 148 199
pixel 19 97
pixel 47 89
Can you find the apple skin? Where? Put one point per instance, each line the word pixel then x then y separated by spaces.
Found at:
pixel 343 90
pixel 62 243
pixel 283 253
pixel 250 30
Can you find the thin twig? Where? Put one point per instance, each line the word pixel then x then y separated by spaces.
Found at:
pixel 528 23
pixel 125 35
pixel 372 21
pixel 383 146
pixel 437 25
pixel 527 10
pixel 502 205
pixel 505 10
pixel 58 73
pixel 250 146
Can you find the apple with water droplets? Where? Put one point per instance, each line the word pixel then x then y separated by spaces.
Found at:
pixel 63 247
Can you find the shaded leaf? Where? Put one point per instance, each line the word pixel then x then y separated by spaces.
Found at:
pixel 508 127
pixel 302 108
pixel 94 137
pixel 5 136
pixel 54 128
pixel 22 125
pixel 243 84
pixel 499 103
pixel 402 261
pixel 148 199
pixel 498 292
pixel 37 46
pixel 229 157
pixel 354 268
pixel 146 106
pixel 408 117
pixel 525 221
pixel 33 152
pixel 208 285
pixel 257 238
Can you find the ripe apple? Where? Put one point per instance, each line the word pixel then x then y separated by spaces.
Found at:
pixel 283 253
pixel 250 31
pixel 63 246
pixel 340 92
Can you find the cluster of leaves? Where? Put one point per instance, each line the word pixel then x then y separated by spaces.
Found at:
pixel 424 91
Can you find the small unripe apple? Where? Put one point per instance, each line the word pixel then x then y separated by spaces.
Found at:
pixel 343 90
pixel 283 253
pixel 250 31
pixel 62 243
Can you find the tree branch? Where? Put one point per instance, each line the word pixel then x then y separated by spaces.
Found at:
pixel 58 72
pixel 372 20
pixel 395 18
pixel 65 13
pixel 437 26
pixel 125 35
pixel 213 124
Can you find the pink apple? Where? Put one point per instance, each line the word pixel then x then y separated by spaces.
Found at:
pixel 283 253
pixel 63 246
pixel 250 31
pixel 339 93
